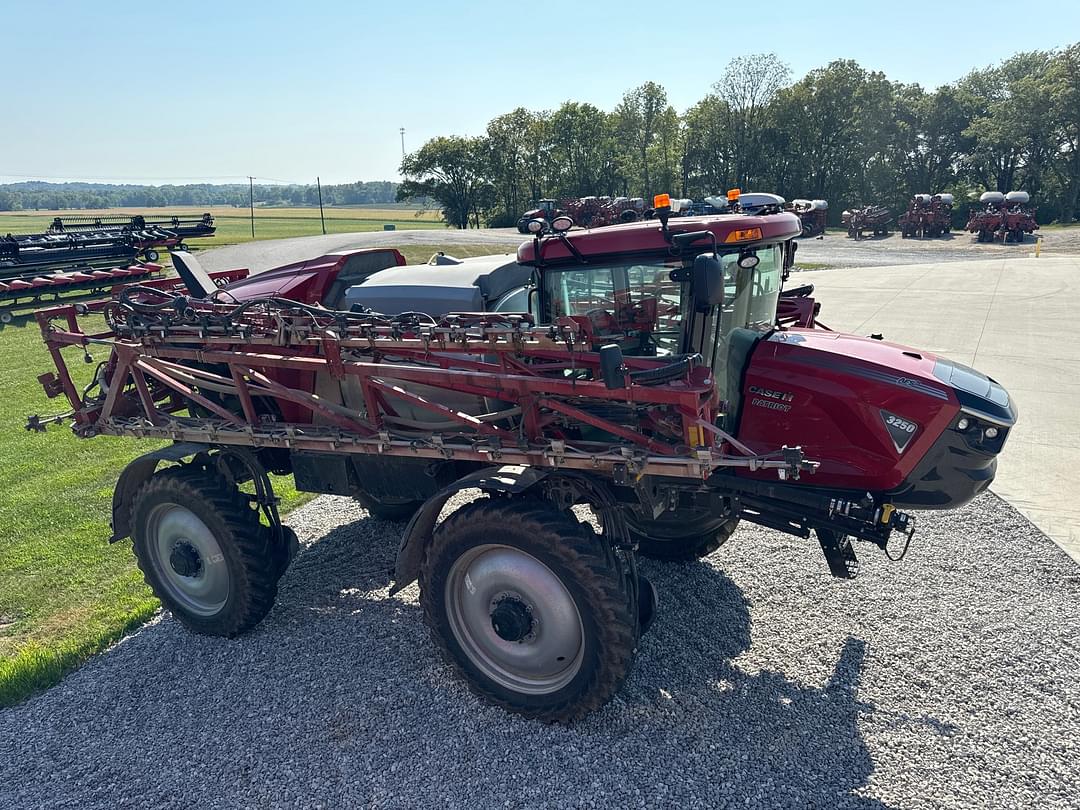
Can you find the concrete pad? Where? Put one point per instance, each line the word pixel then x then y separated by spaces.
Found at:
pixel 1011 319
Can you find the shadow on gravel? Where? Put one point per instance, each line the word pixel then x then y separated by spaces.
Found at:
pixel 339 699
pixel 690 712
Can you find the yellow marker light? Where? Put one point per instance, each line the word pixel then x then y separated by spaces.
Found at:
pixel 733 194
pixel 661 201
pixel 743 235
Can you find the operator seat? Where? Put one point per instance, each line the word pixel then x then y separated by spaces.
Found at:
pixel 197 280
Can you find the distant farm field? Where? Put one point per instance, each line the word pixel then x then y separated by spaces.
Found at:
pixel 234 224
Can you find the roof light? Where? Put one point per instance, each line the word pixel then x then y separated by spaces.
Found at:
pixel 562 223
pixel 535 225
pixel 743 235
pixel 733 194
pixel 661 201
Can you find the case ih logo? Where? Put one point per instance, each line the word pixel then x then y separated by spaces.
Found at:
pixel 773 400
pixel 782 396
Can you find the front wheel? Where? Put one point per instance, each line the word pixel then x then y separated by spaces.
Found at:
pixel 680 535
pixel 204 553
pixel 535 611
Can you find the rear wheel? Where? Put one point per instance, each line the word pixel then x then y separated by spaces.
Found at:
pixel 204 553
pixel 535 611
pixel 680 535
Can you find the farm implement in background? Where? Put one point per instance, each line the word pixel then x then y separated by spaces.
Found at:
pixel 88 254
pixel 588 212
pixel 175 228
pixel 813 214
pixel 927 215
pixel 872 218
pixel 1003 217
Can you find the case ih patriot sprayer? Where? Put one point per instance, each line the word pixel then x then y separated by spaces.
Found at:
pixel 647 380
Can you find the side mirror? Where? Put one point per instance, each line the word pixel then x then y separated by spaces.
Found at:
pixel 789 253
pixel 611 366
pixel 708 282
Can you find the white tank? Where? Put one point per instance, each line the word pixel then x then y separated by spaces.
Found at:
pixel 992 197
pixel 819 205
pixel 756 200
pixel 923 198
pixel 945 198
pixel 719 203
pixel 1021 197
pixel 806 205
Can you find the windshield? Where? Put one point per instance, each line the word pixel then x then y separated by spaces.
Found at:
pixel 638 306
pixel 750 296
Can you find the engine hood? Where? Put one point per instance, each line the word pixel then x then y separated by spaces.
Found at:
pixel 921 371
pixel 879 360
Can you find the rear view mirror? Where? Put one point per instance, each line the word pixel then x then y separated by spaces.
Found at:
pixel 708 282
pixel 789 253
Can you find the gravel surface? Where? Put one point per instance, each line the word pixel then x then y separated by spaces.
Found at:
pixel 951 679
pixel 834 250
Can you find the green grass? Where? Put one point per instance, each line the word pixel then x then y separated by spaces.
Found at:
pixel 65 593
pixel 234 224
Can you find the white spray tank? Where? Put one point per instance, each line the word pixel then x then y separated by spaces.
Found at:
pixel 992 198
pixel 1020 197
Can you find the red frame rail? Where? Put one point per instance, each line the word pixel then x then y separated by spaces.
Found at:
pixel 548 376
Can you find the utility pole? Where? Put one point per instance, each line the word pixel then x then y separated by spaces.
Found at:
pixel 251 203
pixel 318 182
pixel 402 131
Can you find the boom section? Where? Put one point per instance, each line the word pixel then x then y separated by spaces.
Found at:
pixel 279 374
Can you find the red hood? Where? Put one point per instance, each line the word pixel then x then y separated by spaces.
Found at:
pixel 307 281
pixel 838 349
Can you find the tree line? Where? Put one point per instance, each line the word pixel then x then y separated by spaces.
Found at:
pixel 36 195
pixel 840 133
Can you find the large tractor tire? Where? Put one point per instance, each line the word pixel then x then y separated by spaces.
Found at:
pixel 535 611
pixel 393 509
pixel 680 535
pixel 204 553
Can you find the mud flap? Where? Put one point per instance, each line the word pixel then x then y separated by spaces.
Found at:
pixel 507 480
pixel 839 553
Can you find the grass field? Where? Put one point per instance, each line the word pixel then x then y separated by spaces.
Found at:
pixel 64 592
pixel 234 224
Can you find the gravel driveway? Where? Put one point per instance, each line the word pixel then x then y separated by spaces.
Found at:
pixel 951 679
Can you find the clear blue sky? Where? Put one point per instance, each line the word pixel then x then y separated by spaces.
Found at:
pixel 160 92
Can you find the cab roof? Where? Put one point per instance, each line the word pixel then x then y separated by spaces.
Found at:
pixel 646 236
